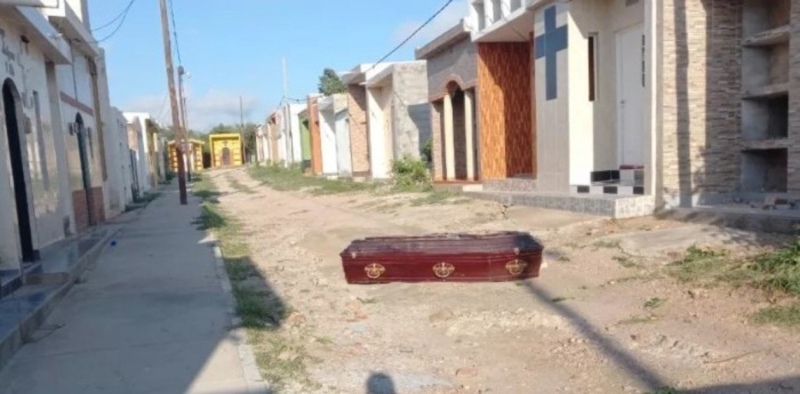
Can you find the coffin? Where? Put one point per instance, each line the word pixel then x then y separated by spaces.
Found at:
pixel 443 258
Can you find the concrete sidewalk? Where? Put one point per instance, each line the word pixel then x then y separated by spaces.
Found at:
pixel 152 317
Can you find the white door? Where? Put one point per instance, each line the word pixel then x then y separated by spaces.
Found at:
pixel 630 96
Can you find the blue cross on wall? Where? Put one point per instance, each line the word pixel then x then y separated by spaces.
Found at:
pixel 547 46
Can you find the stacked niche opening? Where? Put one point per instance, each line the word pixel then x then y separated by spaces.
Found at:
pixel 765 97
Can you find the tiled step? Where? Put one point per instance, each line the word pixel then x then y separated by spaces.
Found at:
pixel 619 189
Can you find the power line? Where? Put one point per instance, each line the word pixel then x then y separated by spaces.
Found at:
pixel 120 15
pixel 427 22
pixel 175 33
pixel 121 23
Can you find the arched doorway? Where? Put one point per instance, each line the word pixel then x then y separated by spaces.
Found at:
pixel 454 144
pixel 86 176
pixel 16 149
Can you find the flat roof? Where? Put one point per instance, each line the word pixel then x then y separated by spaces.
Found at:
pixel 452 36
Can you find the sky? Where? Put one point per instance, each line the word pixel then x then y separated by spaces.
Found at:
pixel 234 48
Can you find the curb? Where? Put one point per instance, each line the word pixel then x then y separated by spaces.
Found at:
pixel 252 375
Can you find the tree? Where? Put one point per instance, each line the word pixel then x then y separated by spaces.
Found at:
pixel 330 83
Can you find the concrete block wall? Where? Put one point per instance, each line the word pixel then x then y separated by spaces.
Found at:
pixel 701 99
pixel 458 63
pixel 411 116
pixel 359 128
pixel 794 100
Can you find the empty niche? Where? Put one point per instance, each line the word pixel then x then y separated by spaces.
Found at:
pixel 765 171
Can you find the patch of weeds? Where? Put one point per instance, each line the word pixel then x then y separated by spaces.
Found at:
pixel 654 303
pixel 292 178
pixel 239 269
pixel 667 390
pixel 210 218
pixel 411 175
pixel 368 300
pixel 787 315
pixel 606 244
pixel 699 263
pixel 564 258
pixel 342 186
pixel 780 269
pixel 434 197
pixel 324 340
pixel 627 261
pixel 238 186
pixel 638 319
pixel 282 361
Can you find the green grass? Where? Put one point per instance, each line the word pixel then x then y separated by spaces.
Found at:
pixel 280 357
pixel 787 315
pixel 409 176
pixel 434 197
pixel 777 271
pixel 627 261
pixel 699 264
pixel 667 390
pixel 654 303
pixel 238 186
pixel 780 269
pixel 293 179
pixel 607 245
pixel 638 319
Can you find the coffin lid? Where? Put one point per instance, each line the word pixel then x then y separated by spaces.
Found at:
pixel 436 244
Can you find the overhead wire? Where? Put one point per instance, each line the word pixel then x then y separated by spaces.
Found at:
pixel 175 34
pixel 120 15
pixel 121 23
pixel 413 34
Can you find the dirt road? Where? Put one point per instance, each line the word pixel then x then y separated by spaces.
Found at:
pixel 602 318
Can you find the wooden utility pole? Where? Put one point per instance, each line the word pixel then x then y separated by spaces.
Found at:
pixel 241 132
pixel 186 156
pixel 180 134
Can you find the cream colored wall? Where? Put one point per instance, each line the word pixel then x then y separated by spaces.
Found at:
pixel 581 110
pixel 25 65
pixel 606 18
pixel 552 116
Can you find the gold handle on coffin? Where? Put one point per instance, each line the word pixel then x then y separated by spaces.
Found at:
pixel 516 266
pixel 374 270
pixel 443 270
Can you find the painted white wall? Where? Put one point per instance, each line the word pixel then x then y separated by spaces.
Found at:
pixel 327 130
pixel 138 122
pixel 552 116
pixel 378 130
pixel 26 66
pixel 586 131
pixel 581 110
pixel 343 151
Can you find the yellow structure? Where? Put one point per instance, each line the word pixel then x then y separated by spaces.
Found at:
pixel 226 150
pixel 194 156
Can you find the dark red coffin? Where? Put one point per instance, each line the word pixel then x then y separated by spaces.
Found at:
pixel 443 258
